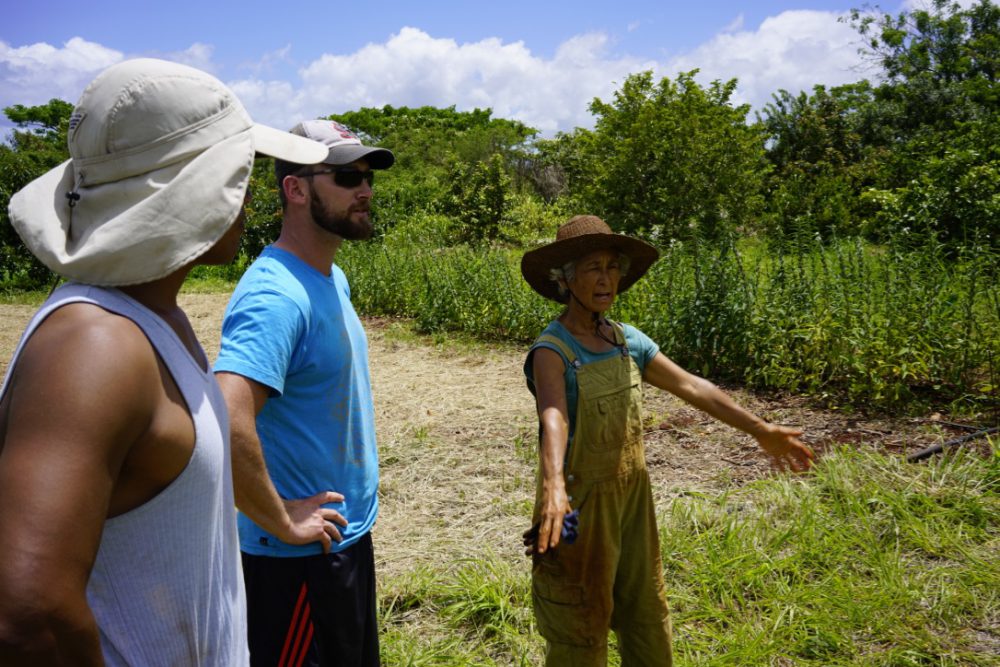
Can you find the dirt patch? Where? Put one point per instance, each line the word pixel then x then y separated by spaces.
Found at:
pixel 457 436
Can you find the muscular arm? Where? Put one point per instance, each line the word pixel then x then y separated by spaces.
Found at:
pixel 553 414
pixel 293 521
pixel 67 423
pixel 780 443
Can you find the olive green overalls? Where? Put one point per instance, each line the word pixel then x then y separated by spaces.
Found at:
pixel 611 577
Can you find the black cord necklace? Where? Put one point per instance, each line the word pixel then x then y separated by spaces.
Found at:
pixel 598 321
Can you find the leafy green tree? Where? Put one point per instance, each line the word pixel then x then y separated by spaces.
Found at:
pixel 479 199
pixel 935 115
pixel 671 159
pixel 48 121
pixel 433 148
pixel 37 145
pixel 559 164
pixel 263 224
pixel 435 135
pixel 821 160
pixel 954 197
pixel 908 155
pixel 940 63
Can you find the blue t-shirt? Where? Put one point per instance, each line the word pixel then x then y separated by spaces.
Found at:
pixel 641 348
pixel 294 330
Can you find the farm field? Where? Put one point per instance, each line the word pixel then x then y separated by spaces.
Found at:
pixel 457 437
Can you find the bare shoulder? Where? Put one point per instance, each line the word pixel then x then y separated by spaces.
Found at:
pixel 547 359
pixel 88 366
pixel 550 384
pixel 85 389
pixel 93 337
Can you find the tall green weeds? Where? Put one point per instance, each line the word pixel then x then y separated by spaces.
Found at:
pixel 477 291
pixel 878 327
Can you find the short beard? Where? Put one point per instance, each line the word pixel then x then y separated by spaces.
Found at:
pixel 342 226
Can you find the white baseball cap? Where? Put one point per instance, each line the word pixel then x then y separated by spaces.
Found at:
pixel 344 146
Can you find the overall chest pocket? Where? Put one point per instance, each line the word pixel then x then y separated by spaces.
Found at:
pixel 608 406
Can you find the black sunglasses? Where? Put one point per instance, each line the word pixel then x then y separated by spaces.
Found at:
pixel 345 177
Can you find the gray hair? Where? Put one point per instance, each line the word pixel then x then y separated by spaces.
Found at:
pixel 567 271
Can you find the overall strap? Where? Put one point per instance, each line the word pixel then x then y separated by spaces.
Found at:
pixel 619 332
pixel 569 357
pixel 567 353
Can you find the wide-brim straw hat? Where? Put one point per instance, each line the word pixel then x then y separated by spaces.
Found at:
pixel 576 238
pixel 161 156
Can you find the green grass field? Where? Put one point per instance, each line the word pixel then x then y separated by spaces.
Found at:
pixel 868 561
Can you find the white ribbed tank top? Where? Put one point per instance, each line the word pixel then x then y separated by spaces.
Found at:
pixel 167 585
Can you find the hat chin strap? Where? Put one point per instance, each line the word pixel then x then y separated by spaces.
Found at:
pixel 596 318
pixel 594 314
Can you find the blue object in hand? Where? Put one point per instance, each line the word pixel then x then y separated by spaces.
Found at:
pixel 569 527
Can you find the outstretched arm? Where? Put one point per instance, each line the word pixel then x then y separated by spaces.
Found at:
pixel 299 521
pixel 780 443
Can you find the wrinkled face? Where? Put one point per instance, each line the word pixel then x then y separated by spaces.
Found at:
pixel 340 210
pixel 595 281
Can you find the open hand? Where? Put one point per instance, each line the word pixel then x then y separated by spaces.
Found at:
pixel 784 449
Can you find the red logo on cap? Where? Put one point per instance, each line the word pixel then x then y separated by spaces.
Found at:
pixel 344 132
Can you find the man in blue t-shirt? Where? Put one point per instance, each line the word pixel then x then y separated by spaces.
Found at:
pixel 293 367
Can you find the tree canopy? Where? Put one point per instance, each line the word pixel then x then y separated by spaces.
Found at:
pixel 671 159
pixel 37 145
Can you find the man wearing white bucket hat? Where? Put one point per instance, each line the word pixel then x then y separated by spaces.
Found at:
pixel 116 507
pixel 293 367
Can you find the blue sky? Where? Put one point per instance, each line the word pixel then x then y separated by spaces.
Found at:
pixel 538 62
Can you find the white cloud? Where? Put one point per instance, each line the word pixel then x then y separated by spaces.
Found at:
pixel 275 103
pixel 910 5
pixel 794 50
pixel 197 55
pixel 414 69
pixel 735 25
pixel 269 61
pixel 36 73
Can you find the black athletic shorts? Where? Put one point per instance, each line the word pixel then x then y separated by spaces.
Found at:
pixel 314 610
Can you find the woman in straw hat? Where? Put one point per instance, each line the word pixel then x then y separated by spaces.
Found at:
pixel 596 553
pixel 117 526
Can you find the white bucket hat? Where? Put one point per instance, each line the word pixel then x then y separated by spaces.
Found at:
pixel 161 155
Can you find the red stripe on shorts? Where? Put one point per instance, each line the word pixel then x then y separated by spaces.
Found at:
pixel 292 627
